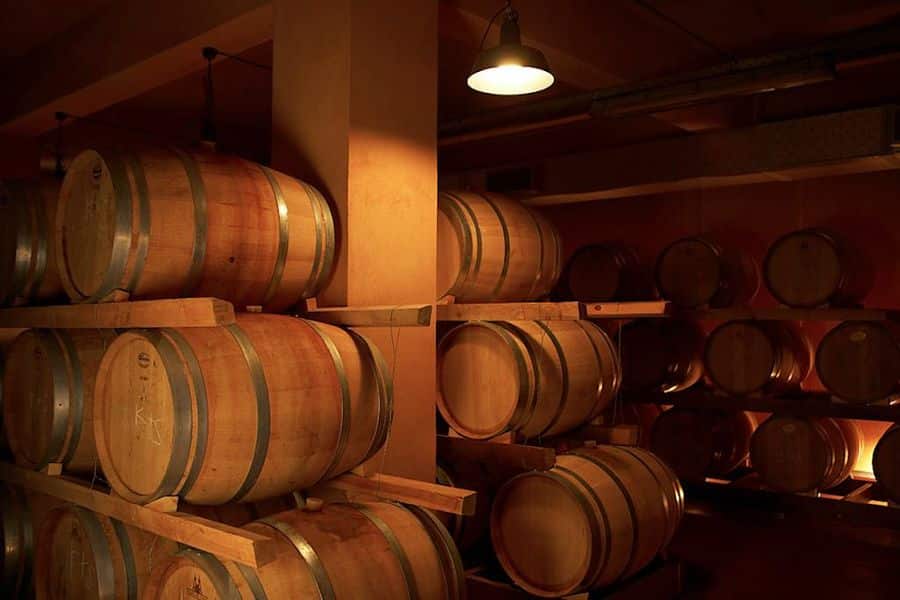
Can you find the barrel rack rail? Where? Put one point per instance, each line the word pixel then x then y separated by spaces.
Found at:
pixel 162 517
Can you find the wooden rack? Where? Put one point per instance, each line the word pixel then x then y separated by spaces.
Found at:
pixel 228 542
pixel 196 312
pixel 661 580
pixel 812 405
pixel 854 503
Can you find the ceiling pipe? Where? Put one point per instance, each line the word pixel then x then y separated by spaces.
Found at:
pixel 740 78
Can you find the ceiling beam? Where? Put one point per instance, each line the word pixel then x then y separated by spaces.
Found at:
pixel 126 50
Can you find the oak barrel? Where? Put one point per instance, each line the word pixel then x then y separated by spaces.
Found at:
pixel 89 556
pixel 886 462
pixel 660 355
pixel 814 267
pixel 48 387
pixel 376 551
pixel 746 357
pixel 796 454
pixel 21 515
pixel 238 413
pixel 696 271
pixel 702 443
pixel 598 516
pixel 530 377
pixel 28 266
pixel 163 223
pixel 606 272
pixel 859 361
pixel 492 248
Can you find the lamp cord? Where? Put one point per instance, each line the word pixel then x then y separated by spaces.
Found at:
pixel 487 30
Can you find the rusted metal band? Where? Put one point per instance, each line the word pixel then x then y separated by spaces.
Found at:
pixel 479 242
pixel 613 356
pixel 396 549
pixel 252 578
pixel 453 572
pixel 131 582
pixel 143 240
pixel 564 371
pixel 375 361
pixel 263 410
pixel 323 258
pixel 504 270
pixel 182 418
pixel 281 211
pixel 17 205
pixel 309 554
pixel 199 386
pixel 39 246
pixel 607 530
pixel 18 537
pixel 215 570
pixel 540 266
pixel 75 398
pixel 344 431
pixel 61 411
pixel 106 576
pixel 121 248
pixel 667 508
pixel 447 204
pixel 198 194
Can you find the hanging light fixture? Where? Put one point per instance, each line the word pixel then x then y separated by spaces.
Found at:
pixel 509 69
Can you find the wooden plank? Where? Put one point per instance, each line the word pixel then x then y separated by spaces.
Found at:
pixel 180 312
pixel 794 314
pixel 227 542
pixel 807 404
pixel 511 311
pixel 412 315
pixel 509 457
pixel 853 141
pixel 627 310
pixel 411 491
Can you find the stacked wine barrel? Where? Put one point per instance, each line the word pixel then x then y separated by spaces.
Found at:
pixel 600 515
pixel 22 513
pixel 531 378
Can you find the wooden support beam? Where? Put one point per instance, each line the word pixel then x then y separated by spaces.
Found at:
pixel 854 141
pixel 227 542
pixel 182 312
pixel 154 42
pixel 410 491
pixel 413 315
pixel 510 458
pixel 552 311
pixel 354 112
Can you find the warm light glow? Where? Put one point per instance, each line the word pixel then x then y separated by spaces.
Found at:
pixel 510 80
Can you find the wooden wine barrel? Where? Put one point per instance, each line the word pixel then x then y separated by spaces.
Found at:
pixel 695 271
pixel 598 516
pixel 88 556
pixel 814 267
pixel 21 515
pixel 238 413
pixel 702 443
pixel 605 272
pixel 660 355
pixel 794 454
pixel 859 361
pixel 28 265
pixel 886 462
pixel 376 551
pixel 746 357
pixel 531 377
pixel 492 248
pixel 48 397
pixel 162 223
pixel 466 530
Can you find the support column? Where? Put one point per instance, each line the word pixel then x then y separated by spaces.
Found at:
pixel 354 111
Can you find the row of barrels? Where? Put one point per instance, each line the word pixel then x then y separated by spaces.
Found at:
pixel 790 453
pixel 600 515
pixel 807 268
pixel 213 415
pixel 367 550
pixel 163 223
pixel 856 361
